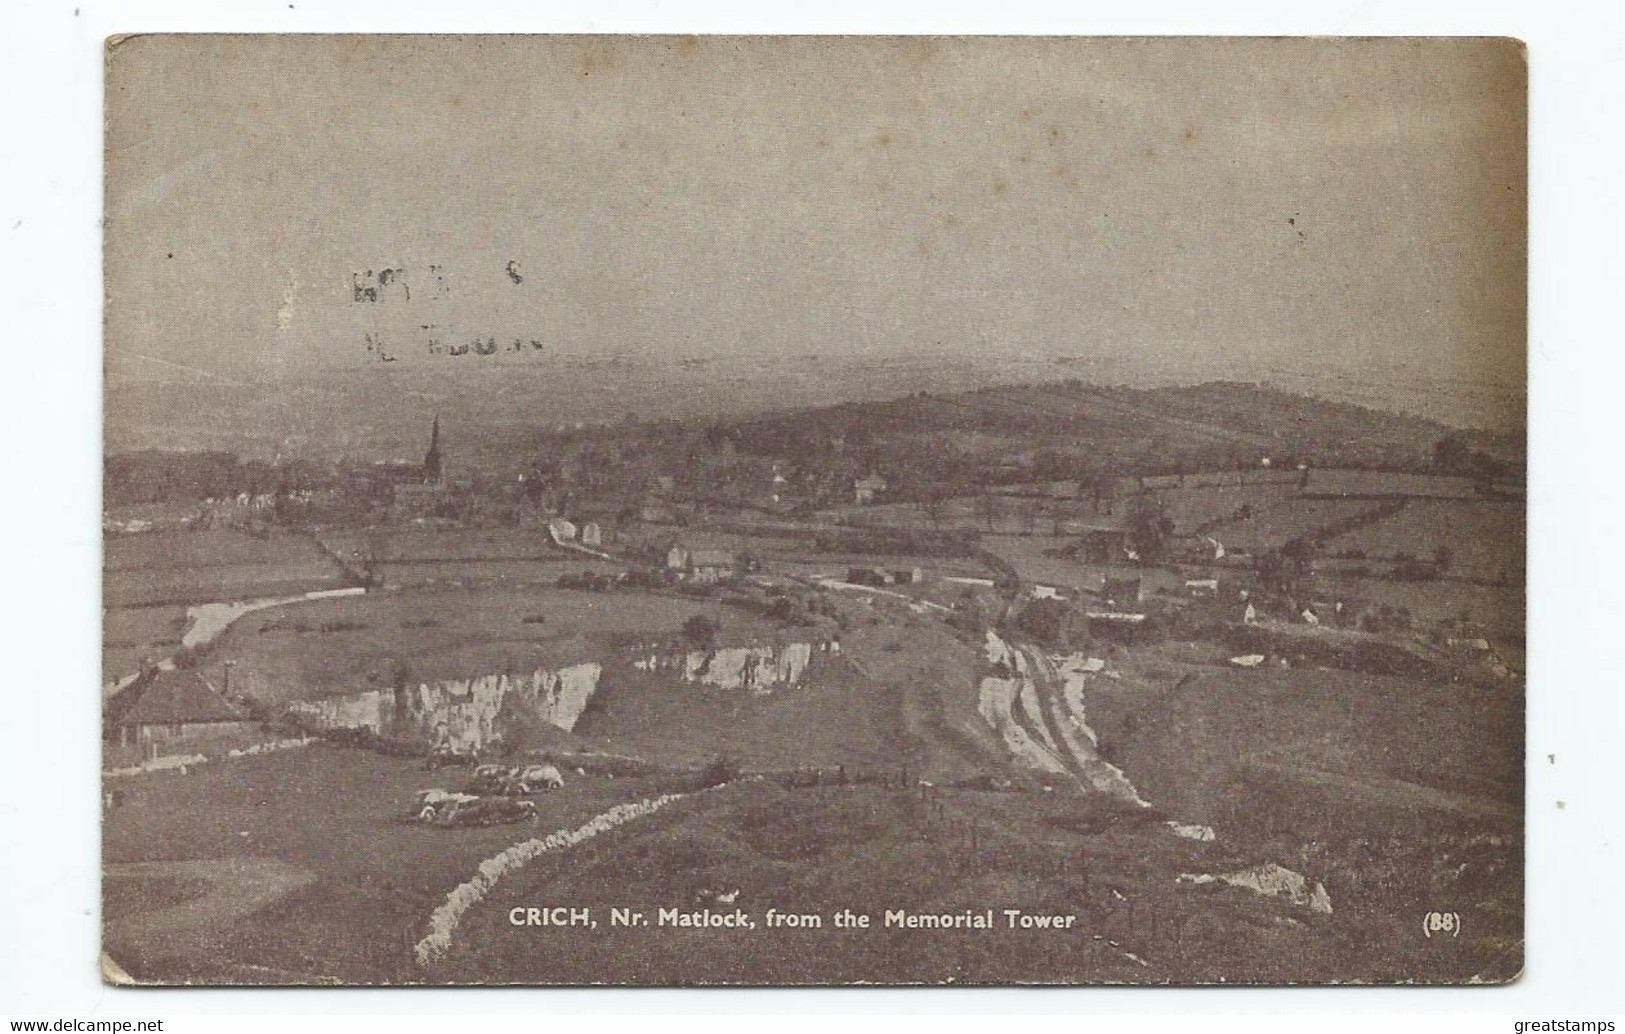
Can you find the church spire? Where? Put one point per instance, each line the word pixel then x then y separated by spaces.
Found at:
pixel 432 465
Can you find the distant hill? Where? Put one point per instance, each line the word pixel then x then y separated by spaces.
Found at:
pixel 1061 427
pixel 491 406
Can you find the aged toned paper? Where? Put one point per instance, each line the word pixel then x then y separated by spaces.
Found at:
pixel 680 511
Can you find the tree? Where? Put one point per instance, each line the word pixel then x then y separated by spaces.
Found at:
pixel 721 769
pixel 1299 554
pixel 701 630
pixel 1450 454
pixel 1148 528
pixel 1047 622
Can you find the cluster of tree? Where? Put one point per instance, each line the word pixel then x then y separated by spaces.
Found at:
pixel 1050 623
pixel 1284 570
pixel 802 610
pixel 1453 455
pixel 701 630
pixel 1149 529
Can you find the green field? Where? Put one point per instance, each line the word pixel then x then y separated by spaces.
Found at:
pixel 1272 528
pixel 354 643
pixel 461 557
pixel 1395 793
pixel 1030 556
pixel 217 564
pixel 1499 609
pixel 405 545
pixel 495 573
pixel 1484 539
pixel 134 634
pixel 1195 506
pixel 1190 741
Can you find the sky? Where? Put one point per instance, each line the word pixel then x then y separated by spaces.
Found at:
pixel 1322 209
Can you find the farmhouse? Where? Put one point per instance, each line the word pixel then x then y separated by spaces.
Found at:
pixel 704 566
pixel 172 709
pixel 709 565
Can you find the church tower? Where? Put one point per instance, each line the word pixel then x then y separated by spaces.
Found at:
pixel 432 464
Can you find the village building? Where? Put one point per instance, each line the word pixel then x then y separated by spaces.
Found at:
pixel 1202 586
pixel 702 566
pixel 173 710
pixel 434 468
pixel 707 566
pixel 426 495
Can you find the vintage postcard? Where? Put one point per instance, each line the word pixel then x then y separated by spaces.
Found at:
pixel 793 510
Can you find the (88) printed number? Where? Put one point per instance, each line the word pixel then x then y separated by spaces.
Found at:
pixel 1441 924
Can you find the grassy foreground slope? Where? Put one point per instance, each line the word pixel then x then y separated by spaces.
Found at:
pixel 295 867
pixel 818 851
pixel 1380 789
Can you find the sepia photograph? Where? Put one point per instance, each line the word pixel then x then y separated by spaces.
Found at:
pixel 813 510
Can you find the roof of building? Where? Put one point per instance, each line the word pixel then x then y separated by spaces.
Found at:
pixel 172 698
